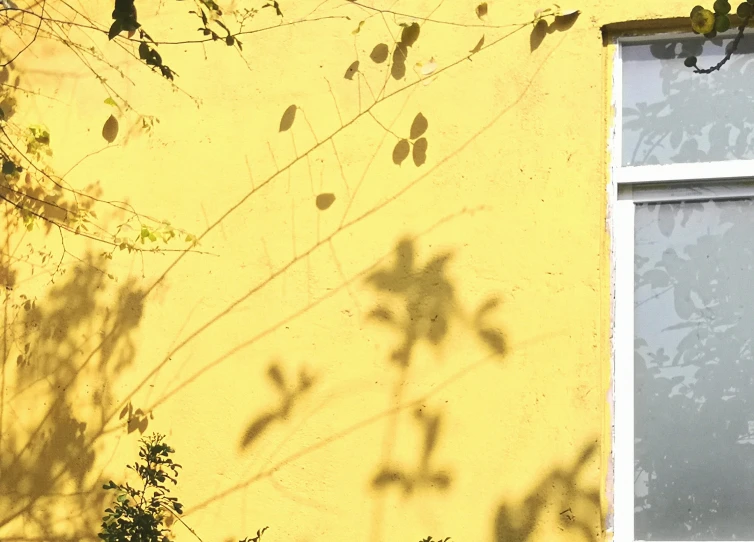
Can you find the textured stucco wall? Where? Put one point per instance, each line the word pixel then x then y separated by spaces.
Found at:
pixel 372 313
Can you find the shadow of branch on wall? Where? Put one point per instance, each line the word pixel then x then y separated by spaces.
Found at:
pixel 62 355
pixel 562 497
pixel 289 392
pixel 420 303
pixel 423 475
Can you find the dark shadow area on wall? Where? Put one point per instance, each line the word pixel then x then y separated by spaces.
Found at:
pixel 420 303
pixel 423 475
pixel 542 28
pixel 62 354
pixel 423 303
pixel 561 497
pixel 289 394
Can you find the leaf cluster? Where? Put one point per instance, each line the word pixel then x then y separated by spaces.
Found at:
pixel 711 22
pixel 140 514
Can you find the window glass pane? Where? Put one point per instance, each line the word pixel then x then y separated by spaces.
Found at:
pixel 672 115
pixel 694 371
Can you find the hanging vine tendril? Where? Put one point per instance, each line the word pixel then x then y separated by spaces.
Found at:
pixel 710 23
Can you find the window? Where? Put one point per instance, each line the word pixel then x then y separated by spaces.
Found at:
pixel 683 232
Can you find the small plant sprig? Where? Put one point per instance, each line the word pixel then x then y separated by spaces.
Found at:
pixel 140 514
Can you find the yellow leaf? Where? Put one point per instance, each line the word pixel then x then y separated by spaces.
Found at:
pixel 703 21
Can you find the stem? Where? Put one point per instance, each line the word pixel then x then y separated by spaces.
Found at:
pixel 731 51
pixel 179 518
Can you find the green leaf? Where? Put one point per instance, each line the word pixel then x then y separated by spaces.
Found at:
pixel 744 10
pixel 722 23
pixel 721 7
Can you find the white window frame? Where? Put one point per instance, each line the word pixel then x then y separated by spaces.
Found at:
pixel 629 185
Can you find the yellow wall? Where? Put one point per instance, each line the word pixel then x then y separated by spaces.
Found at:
pixel 499 236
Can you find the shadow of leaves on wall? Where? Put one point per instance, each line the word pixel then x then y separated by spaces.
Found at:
pixel 542 28
pixel 422 305
pixel 415 144
pixel 429 303
pixel 428 298
pixel 563 497
pixel 423 476
pixel 409 35
pixel 289 393
pixel 73 343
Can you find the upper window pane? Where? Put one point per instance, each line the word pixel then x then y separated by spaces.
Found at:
pixel 672 115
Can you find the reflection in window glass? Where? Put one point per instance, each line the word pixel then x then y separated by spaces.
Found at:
pixel 672 115
pixel 694 371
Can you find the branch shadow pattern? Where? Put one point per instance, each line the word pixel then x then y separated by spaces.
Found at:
pixel 423 476
pixel 560 496
pixel 422 306
pixel 427 303
pixel 47 454
pixel 492 337
pixel 289 393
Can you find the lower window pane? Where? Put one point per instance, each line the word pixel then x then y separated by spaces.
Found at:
pixel 694 371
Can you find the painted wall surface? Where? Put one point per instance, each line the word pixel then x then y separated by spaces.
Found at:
pixel 428 354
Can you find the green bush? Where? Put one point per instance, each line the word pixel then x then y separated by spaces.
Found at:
pixel 140 515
